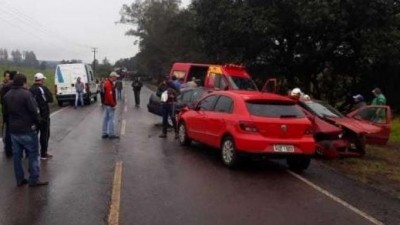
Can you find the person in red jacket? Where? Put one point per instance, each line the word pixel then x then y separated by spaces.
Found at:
pixel 110 103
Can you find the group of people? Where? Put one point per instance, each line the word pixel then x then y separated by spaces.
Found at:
pixel 26 115
pixel 354 102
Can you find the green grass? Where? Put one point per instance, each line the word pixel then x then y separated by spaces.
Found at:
pixel 30 72
pixel 395 133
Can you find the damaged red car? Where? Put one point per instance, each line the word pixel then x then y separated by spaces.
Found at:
pixel 339 135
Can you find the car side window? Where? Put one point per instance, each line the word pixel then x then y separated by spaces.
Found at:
pixel 224 104
pixel 196 94
pixel 186 96
pixel 208 103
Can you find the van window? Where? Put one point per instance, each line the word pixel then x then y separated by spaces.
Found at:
pixel 242 83
pixel 218 81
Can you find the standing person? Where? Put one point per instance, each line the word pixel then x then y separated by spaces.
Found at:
pixel 168 100
pixel 358 102
pixel 379 99
pixel 176 82
pixel 79 87
pixel 110 103
pixel 119 87
pixel 102 90
pixel 137 86
pixel 22 116
pixel 6 78
pixel 7 84
pixel 43 97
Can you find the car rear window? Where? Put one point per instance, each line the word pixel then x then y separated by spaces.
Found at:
pixel 274 109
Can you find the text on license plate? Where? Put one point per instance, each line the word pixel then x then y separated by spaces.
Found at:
pixel 283 148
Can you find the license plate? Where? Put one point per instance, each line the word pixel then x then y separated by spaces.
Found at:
pixel 283 148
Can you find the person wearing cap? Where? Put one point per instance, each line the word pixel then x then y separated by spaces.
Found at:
pixel 79 87
pixel 43 97
pixel 379 99
pixel 22 116
pixel 358 102
pixel 110 103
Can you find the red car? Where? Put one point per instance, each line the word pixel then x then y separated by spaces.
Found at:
pixel 339 135
pixel 249 122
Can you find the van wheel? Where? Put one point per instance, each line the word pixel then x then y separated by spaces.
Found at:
pixel 229 153
pixel 87 100
pixel 298 163
pixel 60 103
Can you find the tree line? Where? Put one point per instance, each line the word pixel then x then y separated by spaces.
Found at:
pixel 21 58
pixel 328 48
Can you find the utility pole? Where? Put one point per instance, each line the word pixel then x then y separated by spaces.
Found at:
pixel 94 61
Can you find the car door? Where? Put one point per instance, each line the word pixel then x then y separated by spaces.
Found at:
pixel 270 86
pixel 197 122
pixel 377 115
pixel 216 120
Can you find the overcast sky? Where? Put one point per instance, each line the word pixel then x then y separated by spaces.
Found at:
pixel 66 29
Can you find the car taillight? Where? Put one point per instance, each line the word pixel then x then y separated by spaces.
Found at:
pixel 309 131
pixel 248 126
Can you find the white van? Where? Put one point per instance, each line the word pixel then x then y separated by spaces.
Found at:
pixel 65 79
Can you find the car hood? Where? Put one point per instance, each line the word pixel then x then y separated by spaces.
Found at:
pixel 357 126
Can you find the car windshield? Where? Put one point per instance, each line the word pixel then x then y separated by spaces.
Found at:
pixel 323 109
pixel 242 83
pixel 274 109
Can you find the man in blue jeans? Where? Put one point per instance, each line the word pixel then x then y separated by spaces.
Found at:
pixel 22 116
pixel 79 87
pixel 110 103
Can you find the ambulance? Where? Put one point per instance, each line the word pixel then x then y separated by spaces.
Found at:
pixel 218 77
pixel 65 79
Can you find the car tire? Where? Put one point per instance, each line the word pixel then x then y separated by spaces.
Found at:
pixel 229 154
pixel 360 144
pixel 60 103
pixel 184 139
pixel 298 163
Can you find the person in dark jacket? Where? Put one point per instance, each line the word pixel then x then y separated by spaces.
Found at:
pixel 168 101
pixel 7 84
pixel 137 86
pixel 119 86
pixel 43 97
pixel 22 117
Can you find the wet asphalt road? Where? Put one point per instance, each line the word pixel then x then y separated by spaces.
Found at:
pixel 164 183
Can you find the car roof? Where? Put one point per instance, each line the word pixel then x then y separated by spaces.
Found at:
pixel 255 95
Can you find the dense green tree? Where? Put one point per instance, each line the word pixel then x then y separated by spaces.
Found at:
pixel 16 56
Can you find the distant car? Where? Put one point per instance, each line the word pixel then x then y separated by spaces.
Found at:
pixel 339 135
pixel 249 122
pixel 185 98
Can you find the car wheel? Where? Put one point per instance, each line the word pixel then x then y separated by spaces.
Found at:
pixel 229 154
pixel 298 163
pixel 183 137
pixel 60 103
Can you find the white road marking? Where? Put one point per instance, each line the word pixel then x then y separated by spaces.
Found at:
pixel 337 199
pixel 123 127
pixel 55 112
